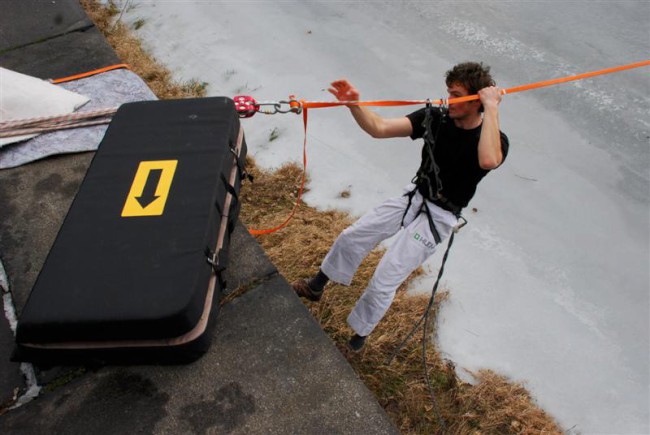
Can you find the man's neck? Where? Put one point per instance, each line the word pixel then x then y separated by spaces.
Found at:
pixel 468 123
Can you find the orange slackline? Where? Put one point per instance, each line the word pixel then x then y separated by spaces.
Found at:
pixel 322 104
pixel 90 73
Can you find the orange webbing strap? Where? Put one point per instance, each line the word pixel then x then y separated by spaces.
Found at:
pixel 302 185
pixel 90 73
pixel 552 81
pixel 322 104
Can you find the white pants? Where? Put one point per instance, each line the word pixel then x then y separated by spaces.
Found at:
pixel 412 246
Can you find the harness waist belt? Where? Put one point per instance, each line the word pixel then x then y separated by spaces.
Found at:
pixel 445 204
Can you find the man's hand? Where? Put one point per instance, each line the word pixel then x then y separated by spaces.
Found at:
pixel 489 146
pixel 344 91
pixel 369 121
pixel 490 97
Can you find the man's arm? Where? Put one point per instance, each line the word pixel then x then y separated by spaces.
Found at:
pixel 490 155
pixel 373 124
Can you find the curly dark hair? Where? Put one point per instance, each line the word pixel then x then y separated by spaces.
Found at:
pixel 472 76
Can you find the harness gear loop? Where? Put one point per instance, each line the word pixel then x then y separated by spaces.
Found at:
pixel 429 166
pixel 422 177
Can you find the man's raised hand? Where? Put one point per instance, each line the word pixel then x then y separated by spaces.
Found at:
pixel 344 91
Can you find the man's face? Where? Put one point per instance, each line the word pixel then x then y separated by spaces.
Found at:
pixel 461 110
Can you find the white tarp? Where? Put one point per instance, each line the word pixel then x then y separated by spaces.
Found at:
pixel 106 90
pixel 23 96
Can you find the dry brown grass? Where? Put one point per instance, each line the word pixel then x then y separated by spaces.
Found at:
pixel 130 51
pixel 495 405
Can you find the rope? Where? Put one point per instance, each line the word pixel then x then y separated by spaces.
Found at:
pixel 300 190
pixel 445 101
pixel 90 73
pixel 425 319
pixel 56 122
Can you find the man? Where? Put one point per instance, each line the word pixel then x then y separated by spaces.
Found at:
pixel 460 148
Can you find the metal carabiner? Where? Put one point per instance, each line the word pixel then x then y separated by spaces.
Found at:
pixel 294 106
pixel 246 106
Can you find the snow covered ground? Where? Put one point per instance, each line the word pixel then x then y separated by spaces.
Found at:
pixel 550 280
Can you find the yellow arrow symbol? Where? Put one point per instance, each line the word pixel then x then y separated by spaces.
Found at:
pixel 150 188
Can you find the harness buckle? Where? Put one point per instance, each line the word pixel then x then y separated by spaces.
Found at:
pixel 457 228
pixel 212 258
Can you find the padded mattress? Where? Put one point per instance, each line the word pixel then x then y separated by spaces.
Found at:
pixel 132 275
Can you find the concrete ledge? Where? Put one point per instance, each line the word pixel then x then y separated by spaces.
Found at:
pixel 250 263
pixel 51 59
pixel 35 199
pixel 270 370
pixel 32 21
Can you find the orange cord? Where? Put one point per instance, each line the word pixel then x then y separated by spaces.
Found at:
pixel 90 73
pixel 553 81
pixel 302 185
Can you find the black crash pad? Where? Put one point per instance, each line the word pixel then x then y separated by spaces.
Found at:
pixel 129 267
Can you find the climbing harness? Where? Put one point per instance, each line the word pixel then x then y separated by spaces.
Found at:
pixel 429 166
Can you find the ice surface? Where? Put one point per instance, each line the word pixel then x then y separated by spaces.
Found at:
pixel 550 280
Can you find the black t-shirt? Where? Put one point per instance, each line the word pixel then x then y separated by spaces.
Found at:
pixel 456 154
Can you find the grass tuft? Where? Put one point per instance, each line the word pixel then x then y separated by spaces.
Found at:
pixel 130 51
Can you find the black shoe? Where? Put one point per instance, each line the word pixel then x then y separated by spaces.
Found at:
pixel 356 343
pixel 303 290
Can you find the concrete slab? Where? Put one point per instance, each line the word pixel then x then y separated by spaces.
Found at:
pixel 270 370
pixel 29 21
pixel 11 378
pixel 34 200
pixel 247 260
pixel 66 55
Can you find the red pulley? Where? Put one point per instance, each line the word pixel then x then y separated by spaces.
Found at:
pixel 246 106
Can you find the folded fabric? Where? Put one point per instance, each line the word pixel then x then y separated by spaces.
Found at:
pixel 23 96
pixel 106 90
